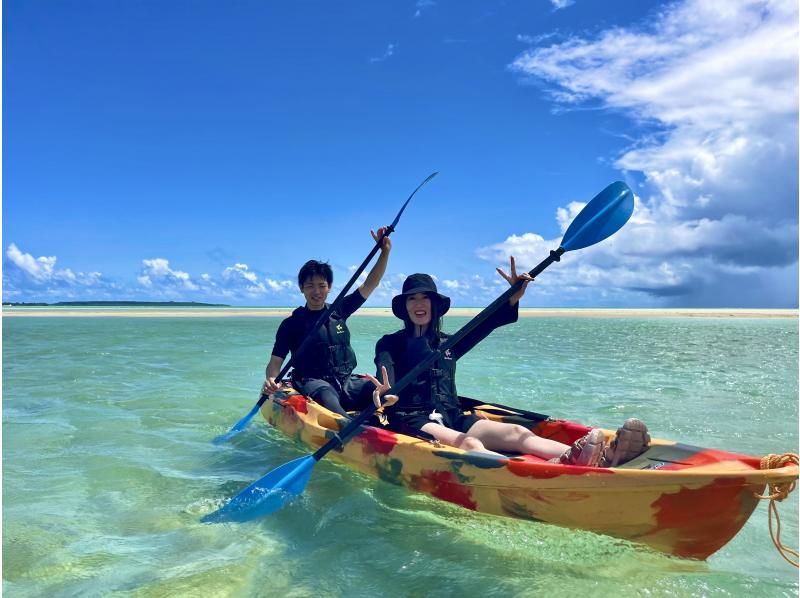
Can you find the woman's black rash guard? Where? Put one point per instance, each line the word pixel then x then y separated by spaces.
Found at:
pixel 435 388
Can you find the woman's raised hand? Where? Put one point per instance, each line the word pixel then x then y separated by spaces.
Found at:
pixel 513 279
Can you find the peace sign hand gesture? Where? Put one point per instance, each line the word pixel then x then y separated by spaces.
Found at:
pixel 381 388
pixel 513 279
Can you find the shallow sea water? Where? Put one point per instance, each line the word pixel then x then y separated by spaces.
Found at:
pixel 108 462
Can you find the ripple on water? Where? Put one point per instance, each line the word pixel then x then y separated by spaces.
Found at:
pixel 106 479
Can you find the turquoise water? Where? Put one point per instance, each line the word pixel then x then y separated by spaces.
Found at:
pixel 108 464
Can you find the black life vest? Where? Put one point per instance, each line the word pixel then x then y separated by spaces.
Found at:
pixel 328 355
pixel 434 388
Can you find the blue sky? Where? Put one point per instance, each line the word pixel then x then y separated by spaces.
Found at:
pixel 202 151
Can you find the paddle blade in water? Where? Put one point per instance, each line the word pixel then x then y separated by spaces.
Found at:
pixel 240 425
pixel 604 215
pixel 272 492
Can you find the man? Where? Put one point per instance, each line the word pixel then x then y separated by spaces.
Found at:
pixel 323 370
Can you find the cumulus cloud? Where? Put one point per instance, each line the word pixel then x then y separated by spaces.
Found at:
pixel 157 273
pixel 40 269
pixel 29 278
pixel 239 282
pixel 234 283
pixel 240 275
pixel 280 285
pixel 559 4
pixel 712 87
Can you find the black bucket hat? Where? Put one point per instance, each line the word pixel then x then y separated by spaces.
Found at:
pixel 419 283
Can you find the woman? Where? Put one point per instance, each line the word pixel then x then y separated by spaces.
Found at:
pixel 430 404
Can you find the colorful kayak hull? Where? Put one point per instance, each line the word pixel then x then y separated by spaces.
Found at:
pixel 679 499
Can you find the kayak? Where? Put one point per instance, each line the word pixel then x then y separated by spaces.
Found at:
pixel 677 498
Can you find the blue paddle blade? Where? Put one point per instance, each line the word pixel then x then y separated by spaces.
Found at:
pixel 272 492
pixel 602 217
pixel 240 425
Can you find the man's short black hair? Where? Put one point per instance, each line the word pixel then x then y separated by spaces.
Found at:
pixel 314 268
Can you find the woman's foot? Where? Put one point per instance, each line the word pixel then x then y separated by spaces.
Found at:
pixel 631 441
pixel 586 451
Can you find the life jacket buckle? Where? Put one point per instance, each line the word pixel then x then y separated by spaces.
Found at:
pixel 436 417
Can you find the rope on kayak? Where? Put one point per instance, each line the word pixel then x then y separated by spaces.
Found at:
pixel 777 492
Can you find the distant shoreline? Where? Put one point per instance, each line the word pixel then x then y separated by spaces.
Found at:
pixel 60 304
pixel 282 312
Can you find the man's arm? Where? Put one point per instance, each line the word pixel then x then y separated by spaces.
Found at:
pixel 273 369
pixel 378 270
pixel 283 342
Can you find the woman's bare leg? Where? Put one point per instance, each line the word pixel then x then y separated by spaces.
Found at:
pixel 456 439
pixel 511 437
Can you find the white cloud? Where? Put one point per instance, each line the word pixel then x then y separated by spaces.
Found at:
pixel 156 273
pixel 280 285
pixel 423 5
pixel 24 271
pixel 386 54
pixel 240 279
pixel 239 271
pixel 234 283
pixel 240 276
pixel 714 86
pixel 535 39
pixel 559 4
pixel 40 269
pixel 28 278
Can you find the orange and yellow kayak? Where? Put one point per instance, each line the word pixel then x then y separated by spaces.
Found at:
pixel 679 499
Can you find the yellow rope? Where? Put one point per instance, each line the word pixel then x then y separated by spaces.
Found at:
pixel 777 492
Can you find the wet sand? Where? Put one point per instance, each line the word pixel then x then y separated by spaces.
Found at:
pixel 282 312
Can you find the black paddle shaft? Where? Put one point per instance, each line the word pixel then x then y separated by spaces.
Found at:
pixel 351 428
pixel 327 311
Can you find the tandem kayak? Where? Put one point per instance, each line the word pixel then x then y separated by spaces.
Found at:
pixel 680 499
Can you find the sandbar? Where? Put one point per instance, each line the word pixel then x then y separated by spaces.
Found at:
pixel 282 312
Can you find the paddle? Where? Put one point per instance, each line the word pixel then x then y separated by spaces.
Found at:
pixel 600 218
pixel 242 423
pixel 498 409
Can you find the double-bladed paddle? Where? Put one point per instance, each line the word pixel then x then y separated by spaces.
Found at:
pixel 600 218
pixel 242 423
pixel 498 409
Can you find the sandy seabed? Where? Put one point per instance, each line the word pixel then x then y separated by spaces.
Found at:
pixel 282 312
